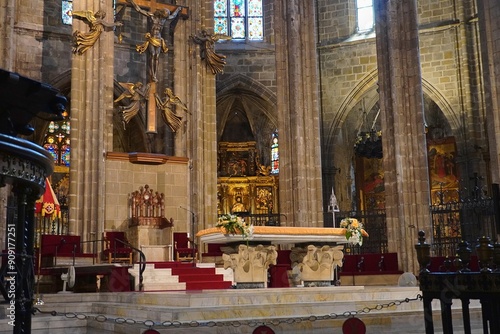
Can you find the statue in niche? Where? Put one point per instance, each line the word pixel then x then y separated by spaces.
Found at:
pixel 238 206
pixel 264 199
pixel 82 41
pixel 262 169
pixel 169 116
pixel 137 93
pixel 213 60
pixel 154 42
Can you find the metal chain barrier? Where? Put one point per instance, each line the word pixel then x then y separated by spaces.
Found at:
pixel 229 323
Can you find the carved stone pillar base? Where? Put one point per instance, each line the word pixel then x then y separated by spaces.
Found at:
pixel 318 263
pixel 250 264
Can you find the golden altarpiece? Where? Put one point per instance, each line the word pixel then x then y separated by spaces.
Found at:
pixel 244 186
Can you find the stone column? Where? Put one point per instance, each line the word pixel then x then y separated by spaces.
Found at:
pixel 91 126
pixel 198 142
pixel 7 42
pixel 403 133
pixel 298 113
pixel 489 11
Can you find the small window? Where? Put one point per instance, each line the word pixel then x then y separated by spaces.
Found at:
pixel 57 142
pixel 365 15
pixel 240 19
pixel 67 12
pixel 275 156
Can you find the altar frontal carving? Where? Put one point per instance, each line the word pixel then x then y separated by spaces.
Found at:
pixel 250 264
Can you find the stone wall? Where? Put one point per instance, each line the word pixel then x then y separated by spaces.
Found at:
pixel 348 69
pixel 35 42
pixel 124 177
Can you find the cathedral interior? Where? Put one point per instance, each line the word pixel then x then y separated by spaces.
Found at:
pixel 273 110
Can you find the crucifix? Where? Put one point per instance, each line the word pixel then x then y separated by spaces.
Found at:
pixel 158 15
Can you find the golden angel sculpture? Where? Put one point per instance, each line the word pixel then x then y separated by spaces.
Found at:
pixel 82 41
pixel 169 116
pixel 214 61
pixel 137 93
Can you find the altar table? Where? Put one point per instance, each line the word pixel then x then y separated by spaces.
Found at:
pixel 250 263
pixel 279 235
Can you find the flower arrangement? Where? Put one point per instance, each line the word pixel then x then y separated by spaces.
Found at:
pixel 352 230
pixel 233 224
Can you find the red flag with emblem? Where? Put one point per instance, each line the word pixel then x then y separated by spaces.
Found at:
pixel 48 205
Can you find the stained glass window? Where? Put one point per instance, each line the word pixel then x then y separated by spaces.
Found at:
pixel 365 14
pixel 67 12
pixel 240 19
pixel 275 157
pixel 57 142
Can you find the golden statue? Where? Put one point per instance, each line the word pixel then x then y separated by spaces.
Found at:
pixel 137 94
pixel 83 41
pixel 173 120
pixel 238 206
pixel 213 60
pixel 154 42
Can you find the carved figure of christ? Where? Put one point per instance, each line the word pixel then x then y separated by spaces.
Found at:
pixel 158 15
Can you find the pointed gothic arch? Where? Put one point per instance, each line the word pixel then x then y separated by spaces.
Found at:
pixel 367 89
pixel 358 112
pixel 253 101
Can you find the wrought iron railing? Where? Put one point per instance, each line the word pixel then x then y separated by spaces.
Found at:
pixel 467 218
pixel 272 219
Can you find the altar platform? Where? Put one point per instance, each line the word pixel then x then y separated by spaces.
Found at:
pixel 284 310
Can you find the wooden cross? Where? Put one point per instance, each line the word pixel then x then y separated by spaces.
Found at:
pixel 152 6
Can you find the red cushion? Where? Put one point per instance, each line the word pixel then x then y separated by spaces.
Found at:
pixel 350 262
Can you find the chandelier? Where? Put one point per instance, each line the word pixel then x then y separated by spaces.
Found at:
pixel 369 144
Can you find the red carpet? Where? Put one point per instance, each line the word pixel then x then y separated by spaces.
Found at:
pixel 194 277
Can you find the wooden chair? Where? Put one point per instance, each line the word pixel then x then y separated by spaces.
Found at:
pixel 115 248
pixel 183 249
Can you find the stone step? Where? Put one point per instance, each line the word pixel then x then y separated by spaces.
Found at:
pixel 44 323
pixel 160 279
pixel 147 305
pixel 181 276
pixel 256 304
pixel 218 306
pixel 164 286
pixel 247 297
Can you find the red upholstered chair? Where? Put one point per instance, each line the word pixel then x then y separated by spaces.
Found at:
pixel 183 248
pixel 115 247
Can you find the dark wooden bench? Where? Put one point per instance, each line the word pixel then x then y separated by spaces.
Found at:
pixel 58 252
